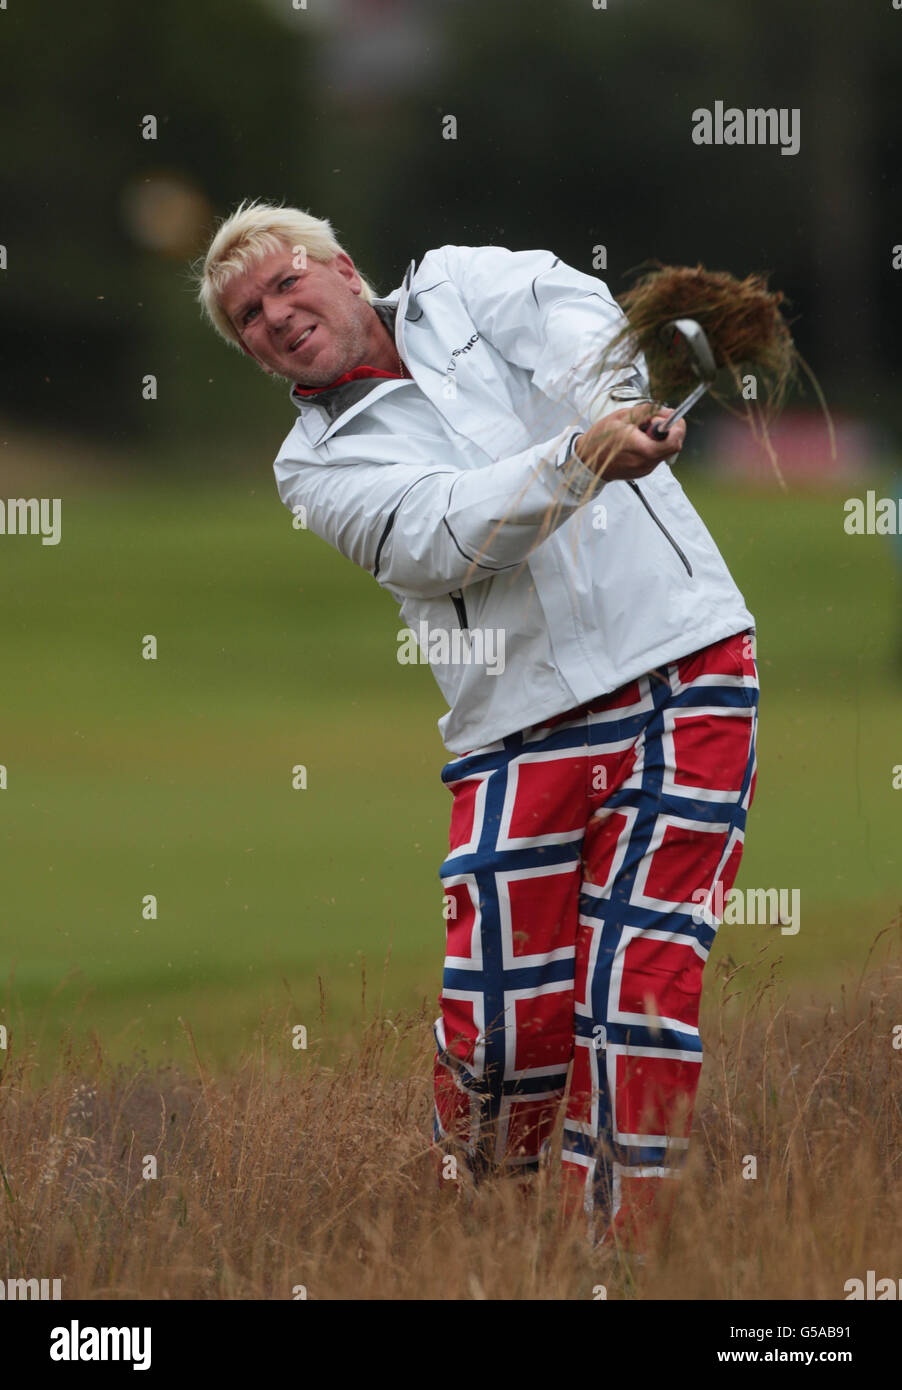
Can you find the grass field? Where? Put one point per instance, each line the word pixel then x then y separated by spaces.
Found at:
pixel 292 1179
pixel 172 777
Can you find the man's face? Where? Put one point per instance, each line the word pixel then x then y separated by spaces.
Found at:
pixel 274 304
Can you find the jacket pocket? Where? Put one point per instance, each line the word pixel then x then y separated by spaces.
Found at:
pixel 658 522
pixel 460 608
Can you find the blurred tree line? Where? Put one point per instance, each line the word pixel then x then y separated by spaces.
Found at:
pixel 573 128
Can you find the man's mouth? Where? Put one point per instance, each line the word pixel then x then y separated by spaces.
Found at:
pixel 302 338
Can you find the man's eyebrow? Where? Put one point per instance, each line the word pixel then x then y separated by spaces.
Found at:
pixel 249 303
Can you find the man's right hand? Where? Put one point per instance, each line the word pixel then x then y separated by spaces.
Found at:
pixel 617 449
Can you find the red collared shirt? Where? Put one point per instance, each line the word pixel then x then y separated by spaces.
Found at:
pixel 357 374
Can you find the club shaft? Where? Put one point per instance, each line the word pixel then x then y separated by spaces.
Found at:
pixel 660 430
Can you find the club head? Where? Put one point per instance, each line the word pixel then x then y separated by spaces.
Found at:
pixel 693 335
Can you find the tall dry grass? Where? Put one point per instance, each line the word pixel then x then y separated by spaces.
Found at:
pixel 290 1172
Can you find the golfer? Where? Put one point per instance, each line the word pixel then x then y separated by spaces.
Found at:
pixel 455 439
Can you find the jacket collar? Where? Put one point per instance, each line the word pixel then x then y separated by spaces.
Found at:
pixel 332 401
pixel 319 414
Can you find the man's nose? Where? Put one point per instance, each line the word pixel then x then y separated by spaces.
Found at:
pixel 276 312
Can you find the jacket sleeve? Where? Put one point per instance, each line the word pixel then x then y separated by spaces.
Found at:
pixel 552 320
pixel 425 530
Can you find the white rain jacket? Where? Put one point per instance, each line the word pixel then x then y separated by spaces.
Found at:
pixel 441 487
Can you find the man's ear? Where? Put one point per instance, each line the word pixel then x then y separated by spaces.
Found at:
pixel 348 270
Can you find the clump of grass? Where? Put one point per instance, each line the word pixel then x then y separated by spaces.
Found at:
pixel 742 319
pixel 748 333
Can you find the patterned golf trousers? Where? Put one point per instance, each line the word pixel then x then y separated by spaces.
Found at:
pixel 579 853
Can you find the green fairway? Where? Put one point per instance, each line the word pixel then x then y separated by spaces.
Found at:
pixel 173 777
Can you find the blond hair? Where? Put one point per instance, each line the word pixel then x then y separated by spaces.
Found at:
pixel 255 230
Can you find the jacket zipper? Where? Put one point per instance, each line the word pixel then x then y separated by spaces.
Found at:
pixel 657 519
pixel 457 599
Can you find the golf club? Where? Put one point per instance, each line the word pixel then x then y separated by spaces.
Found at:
pixel 702 363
